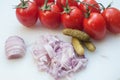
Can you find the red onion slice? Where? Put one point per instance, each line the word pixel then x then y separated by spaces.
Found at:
pixel 15 47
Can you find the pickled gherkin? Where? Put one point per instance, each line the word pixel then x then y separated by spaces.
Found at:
pixel 90 46
pixel 82 36
pixel 77 47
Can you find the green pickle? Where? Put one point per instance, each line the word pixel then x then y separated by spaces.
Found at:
pixel 90 46
pixel 77 47
pixel 82 36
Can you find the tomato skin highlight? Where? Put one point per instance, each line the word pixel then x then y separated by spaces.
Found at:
pixel 62 3
pixel 27 16
pixel 74 19
pixel 112 17
pixel 83 8
pixel 41 2
pixel 51 18
pixel 95 26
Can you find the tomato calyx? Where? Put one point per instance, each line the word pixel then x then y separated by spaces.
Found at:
pixel 45 6
pixel 24 4
pixel 67 8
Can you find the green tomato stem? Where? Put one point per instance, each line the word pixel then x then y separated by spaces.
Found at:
pixel 103 8
pixel 109 5
pixel 87 14
pixel 92 5
pixel 23 2
pixel 67 8
pixel 45 5
pixel 77 1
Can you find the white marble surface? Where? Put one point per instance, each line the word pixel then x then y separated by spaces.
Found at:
pixel 104 63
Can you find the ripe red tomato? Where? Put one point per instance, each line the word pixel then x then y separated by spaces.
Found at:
pixel 112 17
pixel 73 19
pixel 83 7
pixel 62 3
pixel 41 2
pixel 27 13
pixel 50 18
pixel 95 26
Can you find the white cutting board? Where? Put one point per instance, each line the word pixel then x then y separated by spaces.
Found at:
pixel 104 63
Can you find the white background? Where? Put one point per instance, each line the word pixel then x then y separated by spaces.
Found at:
pixel 104 63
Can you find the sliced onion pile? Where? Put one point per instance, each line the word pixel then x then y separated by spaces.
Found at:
pixel 56 57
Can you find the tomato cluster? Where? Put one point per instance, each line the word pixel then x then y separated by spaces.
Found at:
pixel 86 15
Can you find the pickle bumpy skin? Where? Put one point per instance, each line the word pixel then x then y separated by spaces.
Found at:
pixel 90 46
pixel 77 47
pixel 82 36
